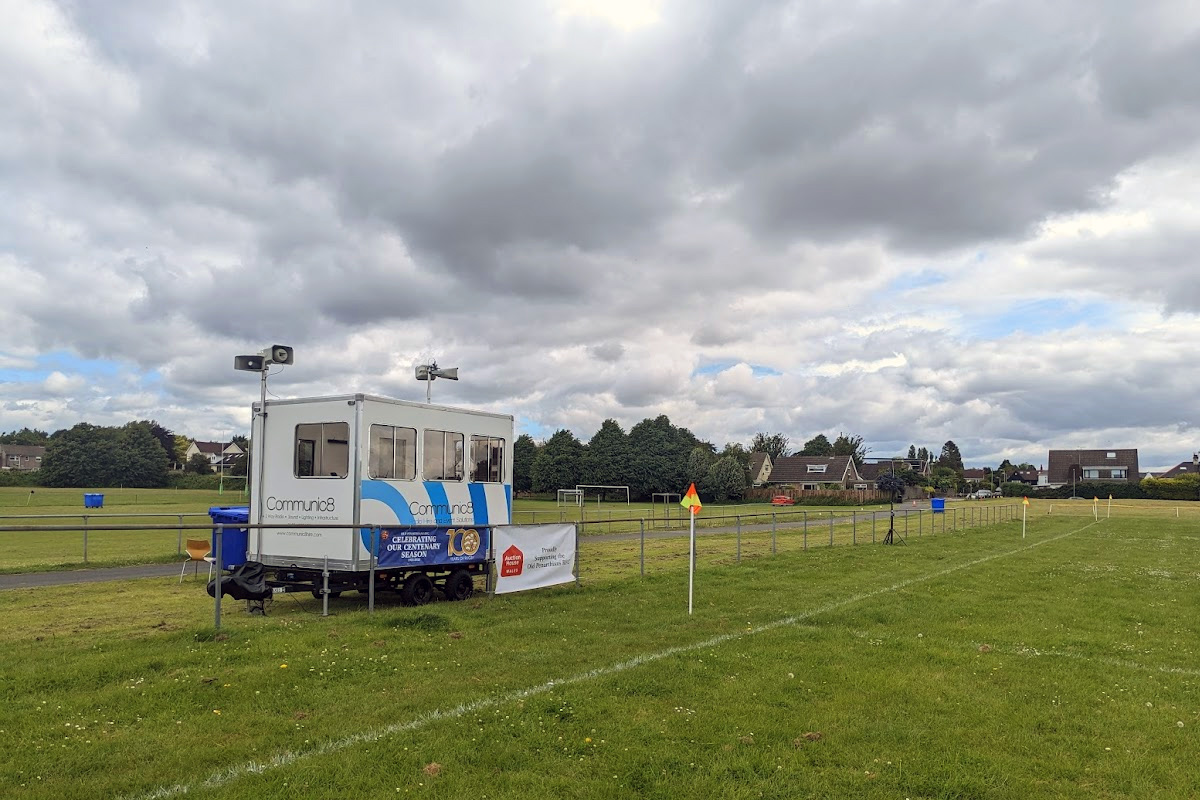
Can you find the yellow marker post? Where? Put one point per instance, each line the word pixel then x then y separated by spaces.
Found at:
pixel 691 501
pixel 1096 507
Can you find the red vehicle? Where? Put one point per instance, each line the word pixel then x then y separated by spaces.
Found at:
pixel 782 500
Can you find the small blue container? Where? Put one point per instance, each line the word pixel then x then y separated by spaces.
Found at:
pixel 93 500
pixel 938 504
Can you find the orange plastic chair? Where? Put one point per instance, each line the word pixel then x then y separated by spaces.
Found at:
pixel 197 550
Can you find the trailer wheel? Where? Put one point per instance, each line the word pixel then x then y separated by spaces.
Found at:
pixel 417 590
pixel 459 586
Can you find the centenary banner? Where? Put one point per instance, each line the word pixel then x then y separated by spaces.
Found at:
pixel 533 556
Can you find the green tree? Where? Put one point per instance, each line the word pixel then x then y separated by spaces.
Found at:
pixel 559 463
pixel 912 451
pixel 606 459
pixel 817 446
pixel 140 458
pixel 166 439
pixel 735 450
pixel 699 461
pixel 923 454
pixel 82 456
pixel 198 464
pixel 524 452
pixel 658 457
pixel 950 457
pixel 26 436
pixel 240 465
pixel 775 445
pixel 944 479
pixel 847 445
pixel 179 451
pixel 726 479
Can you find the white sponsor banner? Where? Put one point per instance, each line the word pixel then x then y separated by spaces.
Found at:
pixel 533 556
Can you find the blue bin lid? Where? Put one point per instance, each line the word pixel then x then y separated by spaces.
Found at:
pixel 229 514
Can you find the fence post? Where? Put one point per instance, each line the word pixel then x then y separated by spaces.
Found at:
pixel 577 525
pixel 220 587
pixel 179 545
pixel 85 533
pixel 920 524
pixel 853 527
pixel 831 529
pixel 325 587
pixel 873 513
pixel 906 525
pixel 739 537
pixel 374 550
pixel 773 551
pixel 642 554
pixel 805 513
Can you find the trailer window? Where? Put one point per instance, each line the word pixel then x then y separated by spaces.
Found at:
pixel 393 453
pixel 322 450
pixel 487 459
pixel 443 457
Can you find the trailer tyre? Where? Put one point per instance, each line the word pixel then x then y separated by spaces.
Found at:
pixel 417 590
pixel 459 586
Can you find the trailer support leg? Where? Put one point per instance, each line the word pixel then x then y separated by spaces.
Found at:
pixel 325 588
pixel 374 559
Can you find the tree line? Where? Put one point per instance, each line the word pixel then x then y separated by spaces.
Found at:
pixel 137 455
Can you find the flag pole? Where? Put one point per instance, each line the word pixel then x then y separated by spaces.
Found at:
pixel 691 558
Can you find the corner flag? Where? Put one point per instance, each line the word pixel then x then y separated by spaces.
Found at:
pixel 691 500
pixel 1025 502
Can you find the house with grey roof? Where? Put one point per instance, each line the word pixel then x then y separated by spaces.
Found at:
pixel 818 472
pixel 1069 467
pixel 21 457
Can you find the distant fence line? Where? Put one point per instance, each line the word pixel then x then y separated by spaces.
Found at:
pixel 807 528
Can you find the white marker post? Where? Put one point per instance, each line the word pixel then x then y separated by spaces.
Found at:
pixel 1024 508
pixel 691 501
pixel 1096 507
pixel 1109 507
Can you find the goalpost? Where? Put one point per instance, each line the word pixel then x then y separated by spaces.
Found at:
pixel 572 497
pixel 666 498
pixel 601 489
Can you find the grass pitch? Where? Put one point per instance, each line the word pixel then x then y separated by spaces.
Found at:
pixel 964 665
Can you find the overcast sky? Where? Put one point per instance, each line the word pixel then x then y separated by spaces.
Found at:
pixel 914 221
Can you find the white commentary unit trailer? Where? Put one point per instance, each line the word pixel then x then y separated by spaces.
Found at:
pixel 418 483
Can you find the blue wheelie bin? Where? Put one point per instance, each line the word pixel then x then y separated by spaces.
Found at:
pixel 938 504
pixel 233 539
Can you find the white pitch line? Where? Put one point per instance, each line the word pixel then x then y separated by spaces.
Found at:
pixel 288 757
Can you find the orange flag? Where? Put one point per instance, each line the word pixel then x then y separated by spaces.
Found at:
pixel 691 500
pixel 1025 502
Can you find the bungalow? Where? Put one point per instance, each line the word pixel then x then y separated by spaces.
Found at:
pixel 1184 468
pixel 818 472
pixel 1069 467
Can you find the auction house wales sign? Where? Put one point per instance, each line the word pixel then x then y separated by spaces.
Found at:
pixel 533 556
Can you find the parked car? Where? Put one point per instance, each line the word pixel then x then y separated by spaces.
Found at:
pixel 982 494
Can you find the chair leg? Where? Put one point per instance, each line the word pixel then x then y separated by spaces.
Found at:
pixel 182 570
pixel 210 566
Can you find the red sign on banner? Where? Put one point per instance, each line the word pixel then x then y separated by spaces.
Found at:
pixel 512 562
